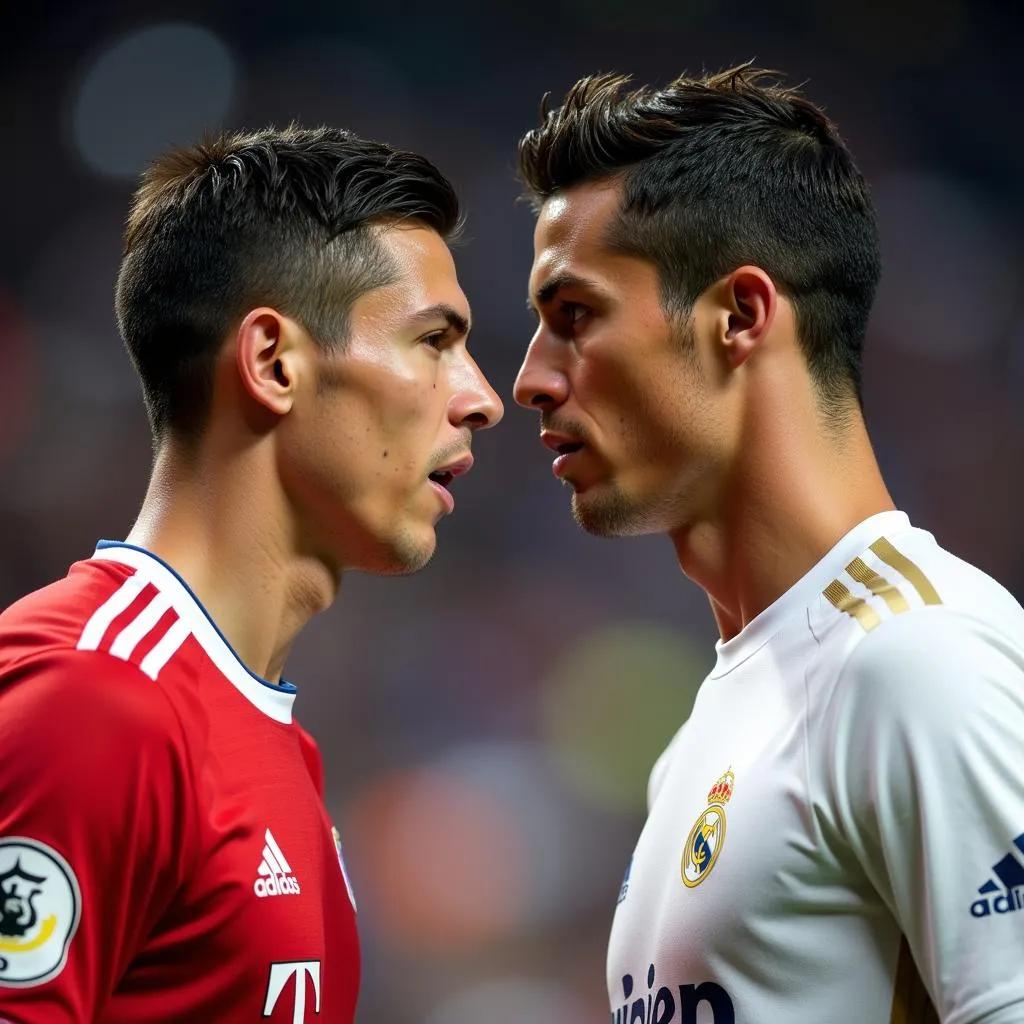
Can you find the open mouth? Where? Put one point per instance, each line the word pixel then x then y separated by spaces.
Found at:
pixel 568 447
pixel 442 478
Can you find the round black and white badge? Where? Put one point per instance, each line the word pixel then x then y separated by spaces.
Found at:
pixel 40 906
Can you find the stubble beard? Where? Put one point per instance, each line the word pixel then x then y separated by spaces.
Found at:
pixel 615 515
pixel 609 517
pixel 409 554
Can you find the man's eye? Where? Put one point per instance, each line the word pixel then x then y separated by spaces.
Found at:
pixel 574 312
pixel 436 340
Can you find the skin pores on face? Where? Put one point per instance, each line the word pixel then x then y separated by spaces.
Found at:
pixel 401 398
pixel 607 366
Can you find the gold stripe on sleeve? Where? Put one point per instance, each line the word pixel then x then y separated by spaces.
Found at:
pixel 911 1003
pixel 855 607
pixel 903 565
pixel 878 585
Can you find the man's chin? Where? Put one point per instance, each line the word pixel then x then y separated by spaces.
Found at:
pixel 609 514
pixel 401 556
pixel 410 558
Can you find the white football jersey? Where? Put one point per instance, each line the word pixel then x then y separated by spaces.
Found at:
pixel 836 835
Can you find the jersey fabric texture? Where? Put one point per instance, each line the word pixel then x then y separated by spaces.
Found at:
pixel 165 854
pixel 836 834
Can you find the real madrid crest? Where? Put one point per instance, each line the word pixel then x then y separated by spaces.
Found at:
pixel 706 838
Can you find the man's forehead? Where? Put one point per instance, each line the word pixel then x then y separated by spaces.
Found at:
pixel 580 213
pixel 416 248
pixel 411 303
pixel 423 272
pixel 572 228
pixel 408 303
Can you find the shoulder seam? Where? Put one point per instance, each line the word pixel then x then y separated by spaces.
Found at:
pixel 193 785
pixel 815 824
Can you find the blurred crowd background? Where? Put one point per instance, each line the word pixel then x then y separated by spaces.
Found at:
pixel 488 724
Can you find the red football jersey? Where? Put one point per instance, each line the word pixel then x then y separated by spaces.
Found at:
pixel 165 854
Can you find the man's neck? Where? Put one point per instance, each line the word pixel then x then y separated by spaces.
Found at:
pixel 794 496
pixel 219 525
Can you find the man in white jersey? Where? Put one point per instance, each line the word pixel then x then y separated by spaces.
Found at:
pixel 836 836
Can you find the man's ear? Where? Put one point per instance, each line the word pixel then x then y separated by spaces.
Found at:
pixel 267 358
pixel 751 299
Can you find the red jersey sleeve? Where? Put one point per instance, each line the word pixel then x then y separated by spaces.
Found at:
pixel 96 823
pixel 311 755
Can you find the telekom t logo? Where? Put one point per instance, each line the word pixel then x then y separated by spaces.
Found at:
pixel 297 969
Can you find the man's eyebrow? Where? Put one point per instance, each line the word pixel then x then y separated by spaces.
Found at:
pixel 553 285
pixel 441 311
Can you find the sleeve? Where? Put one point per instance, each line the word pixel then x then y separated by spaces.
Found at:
pixel 927 775
pixel 313 761
pixel 94 822
pixel 661 768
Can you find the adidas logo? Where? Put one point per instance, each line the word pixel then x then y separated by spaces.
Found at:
pixel 1010 873
pixel 274 877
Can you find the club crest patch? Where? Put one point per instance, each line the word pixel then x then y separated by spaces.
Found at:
pixel 40 906
pixel 707 837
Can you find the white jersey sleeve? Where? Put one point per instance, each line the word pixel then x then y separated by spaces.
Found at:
pixel 927 783
pixel 661 768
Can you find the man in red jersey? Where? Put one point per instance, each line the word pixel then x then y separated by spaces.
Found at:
pixel 291 305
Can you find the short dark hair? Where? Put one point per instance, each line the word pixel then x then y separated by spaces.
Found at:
pixel 276 217
pixel 719 171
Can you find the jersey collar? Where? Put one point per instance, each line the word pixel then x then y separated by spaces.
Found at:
pixel 763 627
pixel 273 699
